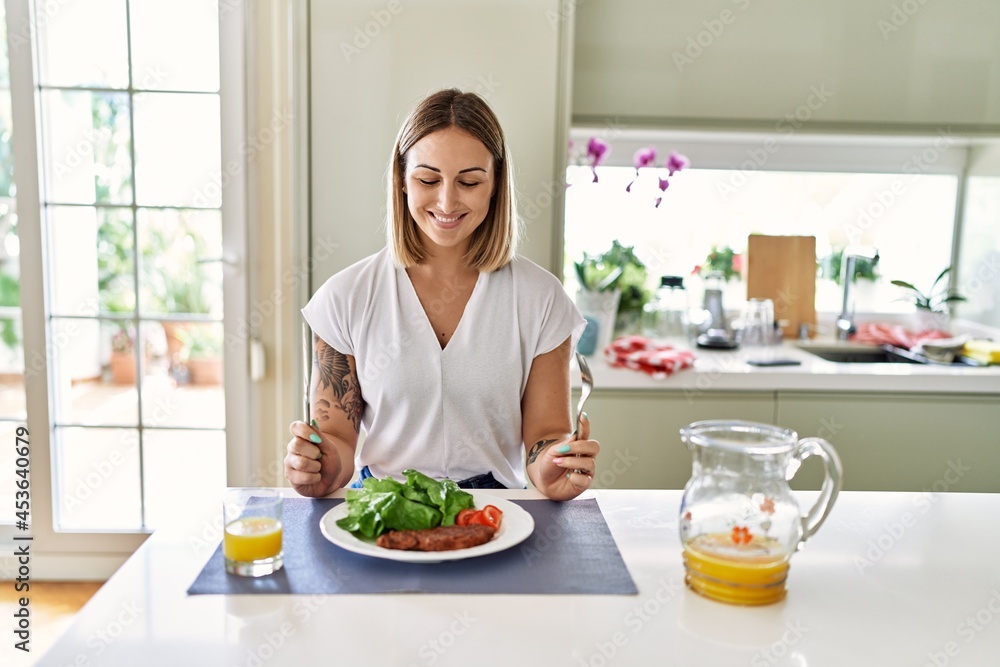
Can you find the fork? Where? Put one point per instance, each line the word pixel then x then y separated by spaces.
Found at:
pixel 587 386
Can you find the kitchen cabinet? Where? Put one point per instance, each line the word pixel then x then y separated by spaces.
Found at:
pixel 638 432
pixel 783 65
pixel 891 442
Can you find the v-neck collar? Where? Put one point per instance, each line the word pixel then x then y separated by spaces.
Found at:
pixel 427 322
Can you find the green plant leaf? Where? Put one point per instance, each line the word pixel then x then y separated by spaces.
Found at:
pixel 611 279
pixel 903 283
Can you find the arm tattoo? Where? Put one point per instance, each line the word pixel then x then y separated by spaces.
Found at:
pixel 538 448
pixel 333 372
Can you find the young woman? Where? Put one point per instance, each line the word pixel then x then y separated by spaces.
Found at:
pixel 451 352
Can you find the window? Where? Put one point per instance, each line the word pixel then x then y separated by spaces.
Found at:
pixel 130 158
pixel 12 400
pixel 898 195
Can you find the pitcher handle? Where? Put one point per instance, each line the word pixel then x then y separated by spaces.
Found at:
pixel 832 482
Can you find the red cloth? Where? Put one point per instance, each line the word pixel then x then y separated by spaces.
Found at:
pixel 642 354
pixel 894 334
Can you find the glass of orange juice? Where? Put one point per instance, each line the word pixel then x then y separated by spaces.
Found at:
pixel 251 543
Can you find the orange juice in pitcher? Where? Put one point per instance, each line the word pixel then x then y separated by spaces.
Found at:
pixel 739 523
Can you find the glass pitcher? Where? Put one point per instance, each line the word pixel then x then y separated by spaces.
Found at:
pixel 739 523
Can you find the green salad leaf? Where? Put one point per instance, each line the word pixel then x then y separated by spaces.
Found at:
pixel 386 504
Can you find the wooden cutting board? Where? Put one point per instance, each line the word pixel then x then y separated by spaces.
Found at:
pixel 783 269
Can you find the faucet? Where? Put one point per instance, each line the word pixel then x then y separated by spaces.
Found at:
pixel 845 322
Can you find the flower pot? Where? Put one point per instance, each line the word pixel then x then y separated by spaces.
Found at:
pixel 122 366
pixel 600 309
pixel 205 370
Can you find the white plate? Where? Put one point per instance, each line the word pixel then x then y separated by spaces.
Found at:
pixel 515 527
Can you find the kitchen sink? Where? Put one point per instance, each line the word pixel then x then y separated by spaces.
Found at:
pixel 880 355
pixel 868 354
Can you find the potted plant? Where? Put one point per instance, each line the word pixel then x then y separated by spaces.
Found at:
pixel 201 352
pixel 934 306
pixel 122 362
pixel 724 260
pixel 612 292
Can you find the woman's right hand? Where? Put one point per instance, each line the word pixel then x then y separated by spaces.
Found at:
pixel 312 468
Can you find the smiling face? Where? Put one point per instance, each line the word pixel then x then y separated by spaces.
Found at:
pixel 449 183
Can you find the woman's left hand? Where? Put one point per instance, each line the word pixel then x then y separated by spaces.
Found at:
pixel 566 468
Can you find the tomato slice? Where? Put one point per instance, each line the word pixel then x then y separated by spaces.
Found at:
pixel 492 516
pixel 462 518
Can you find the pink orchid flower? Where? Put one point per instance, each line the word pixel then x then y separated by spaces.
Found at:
pixel 676 162
pixel 664 184
pixel 597 149
pixel 644 157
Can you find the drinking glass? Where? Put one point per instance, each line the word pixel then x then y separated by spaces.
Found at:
pixel 757 335
pixel 251 543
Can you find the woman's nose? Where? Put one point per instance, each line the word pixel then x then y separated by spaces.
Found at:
pixel 448 196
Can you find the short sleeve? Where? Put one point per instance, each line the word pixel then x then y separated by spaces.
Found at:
pixel 557 316
pixel 327 315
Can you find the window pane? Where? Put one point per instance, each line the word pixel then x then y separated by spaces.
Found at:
pixel 178 150
pixel 183 387
pixel 94 372
pixel 92 250
pixel 82 43
pixel 12 401
pixel 169 456
pixel 86 147
pixel 180 267
pixel 97 479
pixel 6 145
pixel 702 209
pixel 157 62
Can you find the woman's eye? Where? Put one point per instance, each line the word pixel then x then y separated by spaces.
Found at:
pixel 469 185
pixel 427 182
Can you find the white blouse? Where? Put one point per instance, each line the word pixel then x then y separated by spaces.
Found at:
pixel 454 412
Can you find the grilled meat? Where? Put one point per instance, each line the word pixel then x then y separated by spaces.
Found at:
pixel 442 538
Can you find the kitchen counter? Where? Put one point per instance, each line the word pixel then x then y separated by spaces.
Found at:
pixel 890 579
pixel 727 370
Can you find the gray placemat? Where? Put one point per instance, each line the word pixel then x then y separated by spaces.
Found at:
pixel 571 551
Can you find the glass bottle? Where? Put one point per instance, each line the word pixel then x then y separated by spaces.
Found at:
pixel 665 316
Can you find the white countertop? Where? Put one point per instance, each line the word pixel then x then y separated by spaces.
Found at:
pixel 727 370
pixel 890 579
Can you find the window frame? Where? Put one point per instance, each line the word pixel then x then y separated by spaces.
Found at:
pixel 789 148
pixel 96 554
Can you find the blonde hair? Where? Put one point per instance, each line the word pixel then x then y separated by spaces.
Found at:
pixel 494 243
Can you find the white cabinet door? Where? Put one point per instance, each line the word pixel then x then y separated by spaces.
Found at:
pixel 780 63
